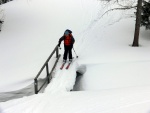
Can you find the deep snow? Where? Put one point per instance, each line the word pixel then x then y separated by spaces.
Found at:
pixel 116 75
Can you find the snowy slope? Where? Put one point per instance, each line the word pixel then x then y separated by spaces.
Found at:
pixel 113 63
pixel 130 100
pixel 30 33
pixel 116 78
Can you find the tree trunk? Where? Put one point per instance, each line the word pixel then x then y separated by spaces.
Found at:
pixel 137 25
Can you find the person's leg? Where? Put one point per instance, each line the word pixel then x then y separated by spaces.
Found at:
pixel 70 52
pixel 65 52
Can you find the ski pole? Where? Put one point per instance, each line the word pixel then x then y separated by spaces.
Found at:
pixel 75 53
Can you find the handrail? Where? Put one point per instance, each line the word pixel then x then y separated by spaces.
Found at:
pixel 56 49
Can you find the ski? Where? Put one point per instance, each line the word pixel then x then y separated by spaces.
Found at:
pixel 71 61
pixel 62 66
pixel 67 67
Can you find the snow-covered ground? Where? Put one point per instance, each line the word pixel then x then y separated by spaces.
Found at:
pixel 116 75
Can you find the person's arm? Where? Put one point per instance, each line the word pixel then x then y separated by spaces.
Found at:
pixel 60 40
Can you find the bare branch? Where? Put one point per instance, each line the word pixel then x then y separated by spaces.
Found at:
pixel 124 8
pixel 131 5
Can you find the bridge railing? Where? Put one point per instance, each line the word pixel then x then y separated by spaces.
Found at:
pixel 49 74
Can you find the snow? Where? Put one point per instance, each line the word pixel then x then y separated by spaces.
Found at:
pixel 115 75
pixel 63 80
pixel 133 100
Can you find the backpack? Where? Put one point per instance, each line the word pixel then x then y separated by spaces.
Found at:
pixel 68 40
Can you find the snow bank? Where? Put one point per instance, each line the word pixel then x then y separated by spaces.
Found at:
pixel 129 100
pixel 115 75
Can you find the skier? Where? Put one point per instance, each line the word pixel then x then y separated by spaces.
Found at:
pixel 68 44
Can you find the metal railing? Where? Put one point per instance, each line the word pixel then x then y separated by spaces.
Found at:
pixel 48 77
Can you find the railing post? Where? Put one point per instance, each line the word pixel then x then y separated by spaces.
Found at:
pixel 57 52
pixel 47 71
pixel 36 86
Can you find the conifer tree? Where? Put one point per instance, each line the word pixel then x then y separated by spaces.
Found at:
pixel 145 16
